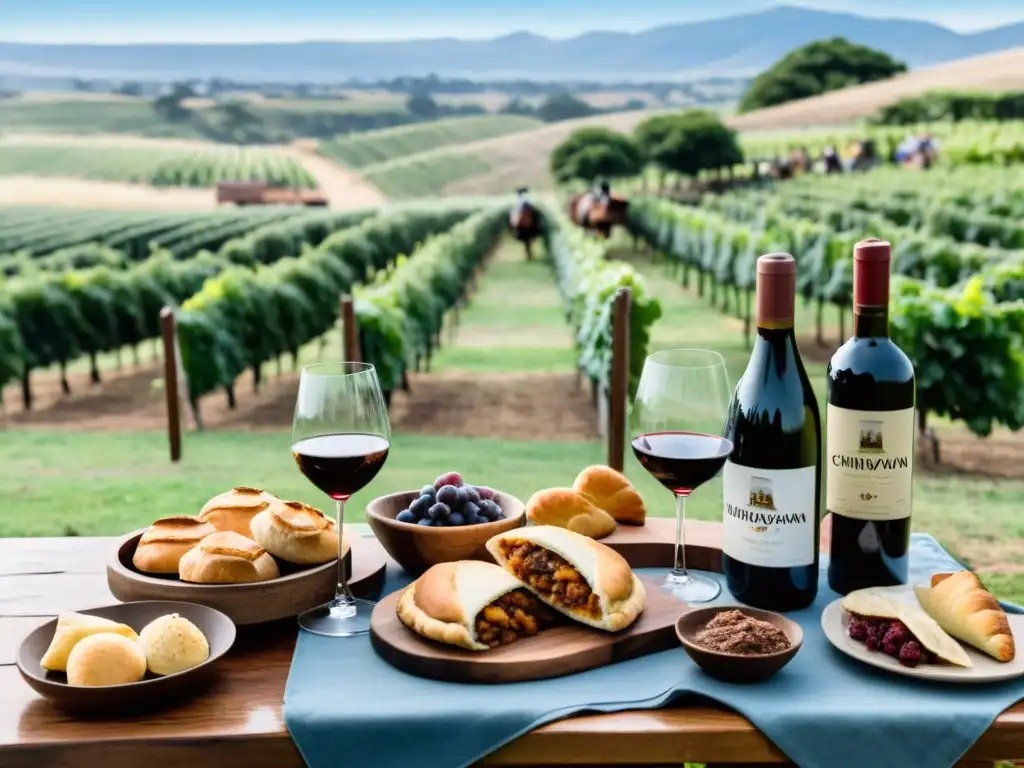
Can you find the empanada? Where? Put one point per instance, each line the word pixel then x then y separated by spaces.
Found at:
pixel 471 604
pixel 587 581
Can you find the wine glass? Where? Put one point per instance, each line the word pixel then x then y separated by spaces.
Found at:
pixel 679 414
pixel 340 439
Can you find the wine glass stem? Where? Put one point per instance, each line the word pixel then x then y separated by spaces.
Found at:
pixel 679 567
pixel 342 594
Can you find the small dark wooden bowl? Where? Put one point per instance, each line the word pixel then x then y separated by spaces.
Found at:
pixel 151 692
pixel 297 589
pixel 417 547
pixel 732 667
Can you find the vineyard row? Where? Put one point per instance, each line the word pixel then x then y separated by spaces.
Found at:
pixel 964 340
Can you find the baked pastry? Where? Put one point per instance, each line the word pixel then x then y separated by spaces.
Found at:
pixel 71 629
pixel 166 540
pixel 234 510
pixel 611 491
pixel 471 604
pixel 106 659
pixel 173 644
pixel 565 508
pixel 296 532
pixel 962 606
pixel 580 577
pixel 226 557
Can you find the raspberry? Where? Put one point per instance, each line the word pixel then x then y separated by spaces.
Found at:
pixel 898 633
pixel 872 643
pixel 858 630
pixel 881 628
pixel 891 647
pixel 910 654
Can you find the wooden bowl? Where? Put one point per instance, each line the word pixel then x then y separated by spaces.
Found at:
pixel 417 547
pixel 152 691
pixel 733 667
pixel 296 590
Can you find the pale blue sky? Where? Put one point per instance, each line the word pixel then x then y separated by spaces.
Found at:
pixel 129 21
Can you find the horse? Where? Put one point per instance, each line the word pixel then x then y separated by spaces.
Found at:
pixel 524 221
pixel 781 169
pixel 599 211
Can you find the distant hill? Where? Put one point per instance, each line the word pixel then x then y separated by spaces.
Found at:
pixel 734 46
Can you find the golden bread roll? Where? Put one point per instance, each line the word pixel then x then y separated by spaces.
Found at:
pixel 226 557
pixel 564 508
pixel 106 659
pixel 173 644
pixel 71 629
pixel 297 533
pixel 166 540
pixel 234 510
pixel 962 606
pixel 611 491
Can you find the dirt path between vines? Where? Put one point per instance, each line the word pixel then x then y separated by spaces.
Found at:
pixel 345 189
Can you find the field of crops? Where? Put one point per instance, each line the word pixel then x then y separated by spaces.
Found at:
pixel 957 304
pixel 359 150
pixel 157 166
pixel 964 143
pixel 424 174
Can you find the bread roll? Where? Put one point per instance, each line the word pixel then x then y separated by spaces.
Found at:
pixel 166 540
pixel 73 628
pixel 962 606
pixel 611 491
pixel 106 659
pixel 226 557
pixel 234 510
pixel 173 644
pixel 297 533
pixel 564 508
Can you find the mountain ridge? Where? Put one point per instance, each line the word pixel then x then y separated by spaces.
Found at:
pixel 739 45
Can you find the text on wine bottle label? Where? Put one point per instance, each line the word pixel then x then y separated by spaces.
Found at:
pixel 769 515
pixel 870 463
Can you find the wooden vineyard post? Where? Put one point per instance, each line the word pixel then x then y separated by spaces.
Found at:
pixel 349 331
pixel 618 380
pixel 171 382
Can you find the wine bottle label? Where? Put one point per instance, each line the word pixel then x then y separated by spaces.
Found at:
pixel 870 461
pixel 769 515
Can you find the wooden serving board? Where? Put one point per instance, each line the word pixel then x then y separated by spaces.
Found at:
pixel 296 590
pixel 562 650
pixel 650 545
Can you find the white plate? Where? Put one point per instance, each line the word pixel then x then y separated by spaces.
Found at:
pixel 834 621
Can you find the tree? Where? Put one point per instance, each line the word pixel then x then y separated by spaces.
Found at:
pixel 591 153
pixel 563 106
pixel 688 143
pixel 170 106
pixel 824 65
pixel 517 106
pixel 422 105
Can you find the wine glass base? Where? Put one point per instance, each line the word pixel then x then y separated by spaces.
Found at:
pixel 692 588
pixel 349 618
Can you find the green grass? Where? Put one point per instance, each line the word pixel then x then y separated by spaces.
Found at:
pixel 56 482
pixel 373 147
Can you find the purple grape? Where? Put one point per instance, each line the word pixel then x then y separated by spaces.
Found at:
pixel 471 512
pixel 472 494
pixel 448 494
pixel 439 511
pixel 425 521
pixel 484 491
pixel 456 518
pixel 463 496
pixel 406 516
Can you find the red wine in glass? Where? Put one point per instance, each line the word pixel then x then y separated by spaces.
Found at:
pixel 682 461
pixel 340 465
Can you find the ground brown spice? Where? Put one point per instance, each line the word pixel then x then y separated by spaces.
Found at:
pixel 735 632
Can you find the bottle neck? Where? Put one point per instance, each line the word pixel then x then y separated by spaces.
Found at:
pixel 871 322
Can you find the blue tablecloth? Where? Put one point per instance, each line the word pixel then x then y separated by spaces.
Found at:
pixel 345 707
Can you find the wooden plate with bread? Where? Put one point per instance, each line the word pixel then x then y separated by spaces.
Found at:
pixel 249 554
pixel 132 656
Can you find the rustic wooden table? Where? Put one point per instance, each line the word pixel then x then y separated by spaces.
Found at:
pixel 238 721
